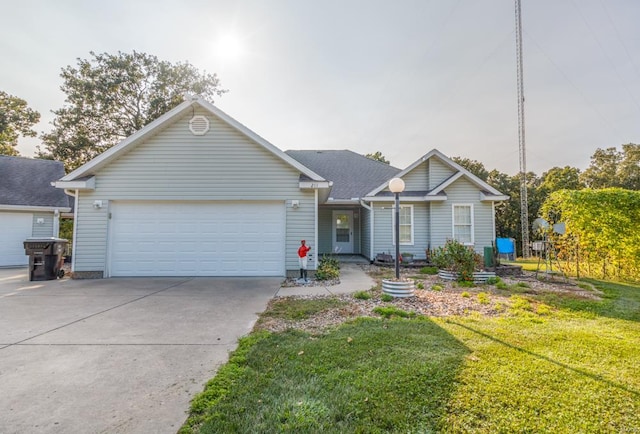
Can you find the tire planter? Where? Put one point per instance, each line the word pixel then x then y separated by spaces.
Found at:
pixel 478 276
pixel 400 289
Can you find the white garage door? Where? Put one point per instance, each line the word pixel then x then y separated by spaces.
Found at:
pixel 197 239
pixel 15 227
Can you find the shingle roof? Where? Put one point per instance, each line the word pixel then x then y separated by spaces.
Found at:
pixel 27 181
pixel 353 175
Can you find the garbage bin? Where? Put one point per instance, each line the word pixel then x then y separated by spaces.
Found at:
pixel 46 256
pixel 488 257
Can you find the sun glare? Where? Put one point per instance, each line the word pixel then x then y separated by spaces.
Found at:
pixel 230 47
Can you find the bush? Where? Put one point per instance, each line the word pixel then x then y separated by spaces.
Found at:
pixel 328 268
pixel 386 297
pixel 362 295
pixel 456 257
pixel 493 280
pixel 465 294
pixel 437 287
pixel 483 298
pixel 419 284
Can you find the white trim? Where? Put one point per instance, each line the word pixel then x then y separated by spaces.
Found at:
pixel 87 184
pixel 453 221
pixel 393 221
pixel 437 198
pixel 434 152
pixel 150 129
pixel 74 253
pixel 492 197
pixel 314 184
pixel 447 182
pixel 27 208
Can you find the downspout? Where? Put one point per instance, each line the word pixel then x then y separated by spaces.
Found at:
pixel 371 243
pixel 74 194
pixel 493 220
pixel 56 223
pixel 315 250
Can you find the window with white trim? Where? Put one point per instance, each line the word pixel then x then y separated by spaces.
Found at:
pixel 463 223
pixel 406 224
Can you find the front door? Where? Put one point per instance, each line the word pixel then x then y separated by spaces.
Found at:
pixel 342 231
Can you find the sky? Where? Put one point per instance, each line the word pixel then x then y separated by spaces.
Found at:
pixel 401 77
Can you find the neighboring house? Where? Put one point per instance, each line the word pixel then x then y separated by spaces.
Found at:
pixel 196 193
pixel 29 205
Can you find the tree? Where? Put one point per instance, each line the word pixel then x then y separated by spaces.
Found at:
pixel 612 168
pixel 378 157
pixel 561 178
pixel 473 166
pixel 16 119
pixel 109 97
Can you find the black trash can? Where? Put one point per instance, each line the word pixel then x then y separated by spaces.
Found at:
pixel 46 256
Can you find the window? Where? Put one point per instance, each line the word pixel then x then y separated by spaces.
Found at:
pixel 463 223
pixel 406 224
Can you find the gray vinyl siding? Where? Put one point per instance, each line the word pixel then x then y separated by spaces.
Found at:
pixel 357 215
pixel 418 178
pixel 44 230
pixel 383 229
pixel 222 165
pixel 438 172
pixel 462 192
pixel 324 230
pixel 365 233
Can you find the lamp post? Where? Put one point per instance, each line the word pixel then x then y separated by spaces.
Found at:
pixel 396 186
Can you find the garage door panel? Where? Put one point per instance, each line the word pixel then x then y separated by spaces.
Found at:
pixel 197 239
pixel 14 229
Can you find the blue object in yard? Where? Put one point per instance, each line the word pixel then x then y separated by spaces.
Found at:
pixel 506 248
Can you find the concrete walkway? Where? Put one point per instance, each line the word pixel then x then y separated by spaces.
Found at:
pixel 352 279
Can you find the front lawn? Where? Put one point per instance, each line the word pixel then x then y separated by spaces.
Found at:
pixel 550 362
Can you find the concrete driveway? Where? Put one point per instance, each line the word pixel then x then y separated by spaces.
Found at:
pixel 116 355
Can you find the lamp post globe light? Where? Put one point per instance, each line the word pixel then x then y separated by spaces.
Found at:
pixel 396 186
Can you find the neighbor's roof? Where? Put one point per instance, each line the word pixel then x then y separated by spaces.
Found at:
pixel 353 175
pixel 27 182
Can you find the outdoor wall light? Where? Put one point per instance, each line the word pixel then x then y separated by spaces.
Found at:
pixel 97 204
pixel 295 204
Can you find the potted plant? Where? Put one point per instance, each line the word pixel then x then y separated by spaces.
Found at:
pixel 455 261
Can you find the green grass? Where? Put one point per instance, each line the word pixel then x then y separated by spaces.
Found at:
pixel 297 309
pixel 549 363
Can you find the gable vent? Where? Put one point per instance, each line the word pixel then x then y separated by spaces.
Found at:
pixel 199 125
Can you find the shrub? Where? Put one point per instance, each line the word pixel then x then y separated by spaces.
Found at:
pixel 465 294
pixel 502 285
pixel 456 257
pixel 437 287
pixel 328 268
pixel 483 298
pixel 493 280
pixel 429 270
pixel 362 295
pixel 419 284
pixel 386 297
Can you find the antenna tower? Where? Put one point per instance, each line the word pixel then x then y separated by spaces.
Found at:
pixel 524 202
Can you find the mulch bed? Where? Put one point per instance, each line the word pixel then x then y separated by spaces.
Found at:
pixel 451 300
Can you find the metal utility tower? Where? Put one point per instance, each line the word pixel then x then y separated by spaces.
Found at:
pixel 524 202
